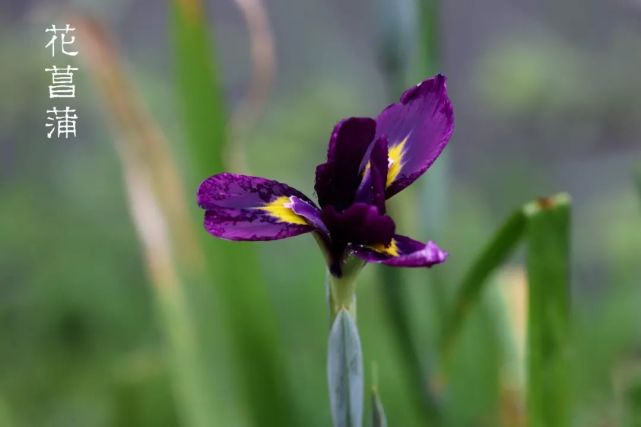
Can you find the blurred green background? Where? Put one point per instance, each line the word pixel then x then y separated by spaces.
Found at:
pixel 547 97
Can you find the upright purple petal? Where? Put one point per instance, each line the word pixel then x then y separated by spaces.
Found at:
pixel 402 252
pixel 417 128
pixel 240 207
pixel 372 187
pixel 337 180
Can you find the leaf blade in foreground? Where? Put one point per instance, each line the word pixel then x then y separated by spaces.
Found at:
pixel 496 251
pixel 548 273
pixel 345 372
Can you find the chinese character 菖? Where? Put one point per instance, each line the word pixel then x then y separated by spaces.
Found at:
pixel 62 85
pixel 63 121
pixel 63 39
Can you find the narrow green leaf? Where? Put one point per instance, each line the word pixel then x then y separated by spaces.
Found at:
pixel 170 250
pixel 416 370
pixel 378 413
pixel 637 180
pixel 497 250
pixel 254 344
pixel 408 48
pixel 345 372
pixel 548 271
pixel 199 90
pixel 429 51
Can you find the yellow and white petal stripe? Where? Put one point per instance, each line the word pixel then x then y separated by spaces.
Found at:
pixel 281 209
pixel 389 250
pixel 395 160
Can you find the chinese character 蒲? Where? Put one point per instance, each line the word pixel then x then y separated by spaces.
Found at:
pixel 62 85
pixel 64 41
pixel 62 121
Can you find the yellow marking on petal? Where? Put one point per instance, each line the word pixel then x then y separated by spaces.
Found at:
pixel 395 159
pixel 280 208
pixel 390 250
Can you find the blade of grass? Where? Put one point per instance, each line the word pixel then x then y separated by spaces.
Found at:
pixel 495 252
pixel 174 260
pixel 398 35
pixel 417 372
pixel 548 272
pixel 378 413
pixel 429 55
pixel 243 295
pixel 637 180
pixel 432 192
pixel 263 56
pixel 379 419
pixel 199 88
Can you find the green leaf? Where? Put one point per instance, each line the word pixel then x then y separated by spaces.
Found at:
pixel 417 370
pixel 637 180
pixel 345 372
pixel 495 252
pixel 409 48
pixel 378 413
pixel 253 338
pixel 170 249
pixel 429 52
pixel 548 272
pixel 199 90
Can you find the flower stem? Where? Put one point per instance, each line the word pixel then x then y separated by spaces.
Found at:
pixel 341 291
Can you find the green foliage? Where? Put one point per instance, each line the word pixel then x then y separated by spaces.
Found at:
pixel 253 338
pixel 637 180
pixel 493 255
pixel 544 224
pixel 548 342
pixel 345 372
pixel 378 413
pixel 198 88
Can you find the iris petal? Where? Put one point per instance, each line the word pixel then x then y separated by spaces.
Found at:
pixel 338 179
pixel 372 187
pixel 361 223
pixel 417 129
pixel 310 213
pixel 402 251
pixel 241 207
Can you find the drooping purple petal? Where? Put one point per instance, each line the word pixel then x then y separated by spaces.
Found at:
pixel 372 187
pixel 402 252
pixel 417 128
pixel 337 180
pixel 240 207
pixel 361 223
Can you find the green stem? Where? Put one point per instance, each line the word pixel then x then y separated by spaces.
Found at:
pixel 341 291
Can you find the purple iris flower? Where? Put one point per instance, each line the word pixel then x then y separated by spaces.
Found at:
pixel 368 161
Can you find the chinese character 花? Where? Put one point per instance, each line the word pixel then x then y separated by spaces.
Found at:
pixel 63 39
